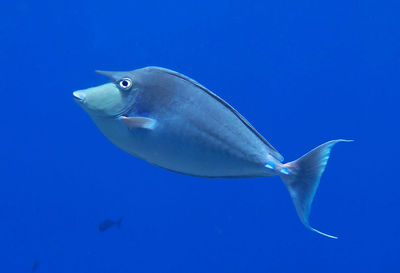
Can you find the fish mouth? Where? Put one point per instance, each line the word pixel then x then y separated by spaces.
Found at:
pixel 78 97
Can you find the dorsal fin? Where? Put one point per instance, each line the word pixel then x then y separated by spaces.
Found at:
pixel 275 153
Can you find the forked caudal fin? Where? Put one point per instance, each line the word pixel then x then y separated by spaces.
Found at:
pixel 118 223
pixel 302 176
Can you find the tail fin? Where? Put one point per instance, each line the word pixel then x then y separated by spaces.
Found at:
pixel 302 176
pixel 118 223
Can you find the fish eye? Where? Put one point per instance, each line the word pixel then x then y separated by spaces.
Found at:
pixel 125 83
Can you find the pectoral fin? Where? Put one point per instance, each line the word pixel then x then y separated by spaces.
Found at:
pixel 139 122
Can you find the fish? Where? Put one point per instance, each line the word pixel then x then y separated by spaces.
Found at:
pixel 106 224
pixel 35 266
pixel 174 122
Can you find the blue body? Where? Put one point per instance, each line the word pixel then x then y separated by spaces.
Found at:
pixel 195 132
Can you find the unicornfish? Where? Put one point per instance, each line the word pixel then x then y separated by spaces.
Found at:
pixel 175 123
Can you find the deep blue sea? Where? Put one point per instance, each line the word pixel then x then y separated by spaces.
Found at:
pixel 302 72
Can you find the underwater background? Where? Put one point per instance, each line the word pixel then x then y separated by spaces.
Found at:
pixel 302 72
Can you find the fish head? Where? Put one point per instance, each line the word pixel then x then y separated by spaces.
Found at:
pixel 112 99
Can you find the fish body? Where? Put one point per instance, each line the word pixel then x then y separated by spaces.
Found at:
pixel 173 122
pixel 35 266
pixel 194 133
pixel 106 224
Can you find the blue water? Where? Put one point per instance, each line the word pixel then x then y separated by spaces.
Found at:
pixel 302 72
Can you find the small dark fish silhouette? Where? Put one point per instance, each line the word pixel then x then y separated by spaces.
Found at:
pixel 106 224
pixel 35 266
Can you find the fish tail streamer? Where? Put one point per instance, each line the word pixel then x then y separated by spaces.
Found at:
pixel 118 223
pixel 302 177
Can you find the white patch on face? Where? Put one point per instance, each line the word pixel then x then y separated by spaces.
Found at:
pixel 105 100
